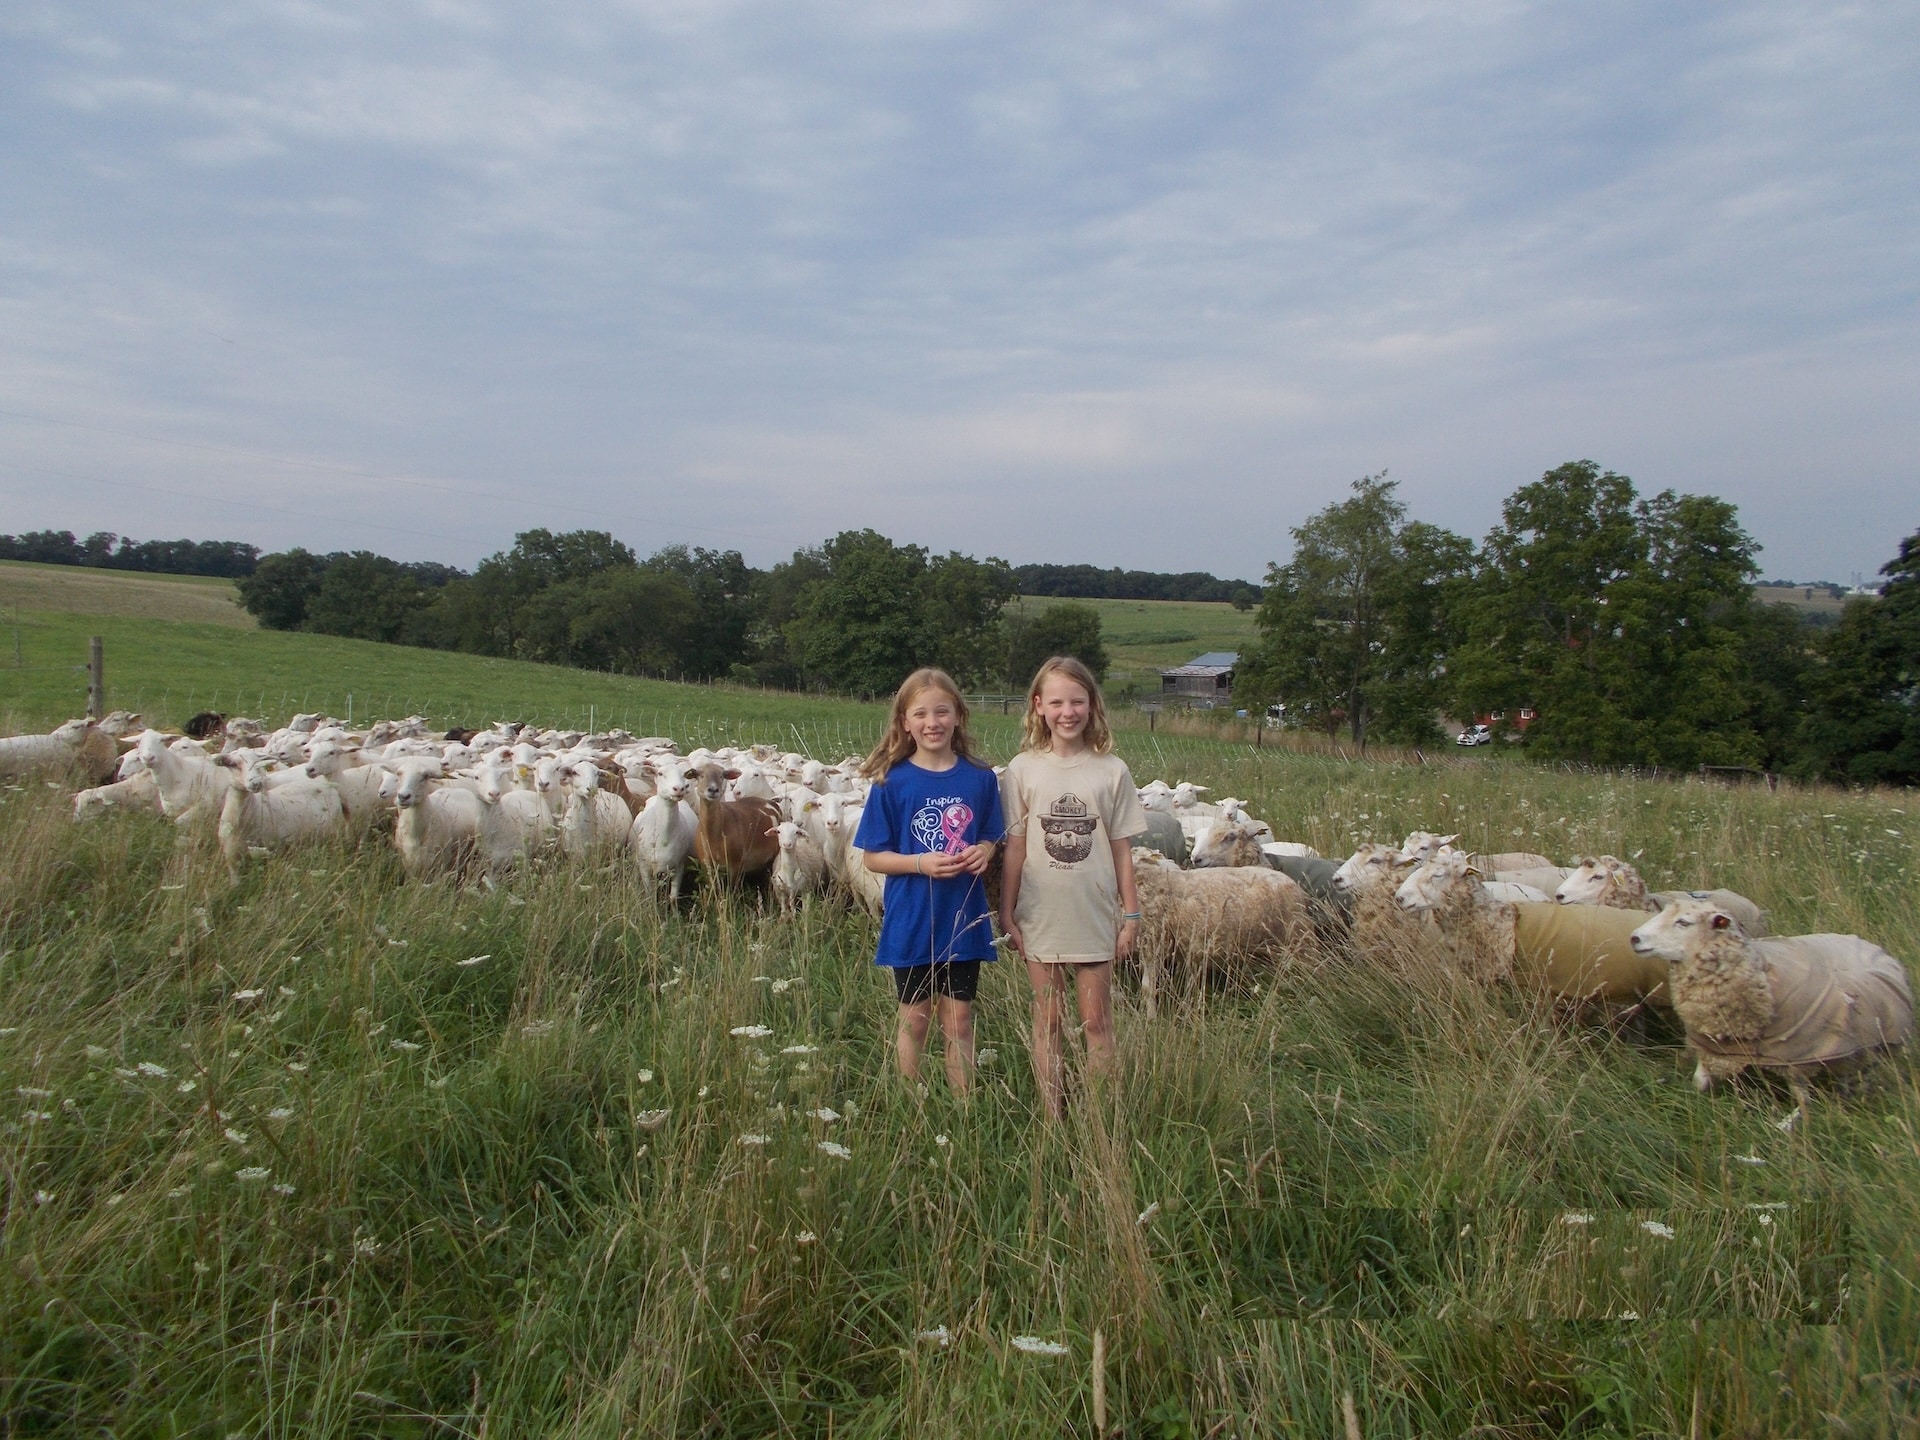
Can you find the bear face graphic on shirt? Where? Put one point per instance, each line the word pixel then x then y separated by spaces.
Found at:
pixel 1067 830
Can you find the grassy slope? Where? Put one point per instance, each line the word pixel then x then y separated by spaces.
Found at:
pixel 1362 1171
pixel 1146 636
pixel 72 590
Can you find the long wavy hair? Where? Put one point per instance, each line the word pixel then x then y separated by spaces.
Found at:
pixel 896 744
pixel 1098 734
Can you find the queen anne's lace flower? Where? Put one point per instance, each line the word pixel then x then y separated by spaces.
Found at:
pixel 1034 1345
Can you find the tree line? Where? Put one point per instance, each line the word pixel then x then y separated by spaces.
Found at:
pixel 852 614
pixel 1627 626
pixel 229 559
pixel 1090 582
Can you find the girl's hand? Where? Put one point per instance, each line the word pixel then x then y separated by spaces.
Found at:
pixel 976 858
pixel 1129 933
pixel 1012 932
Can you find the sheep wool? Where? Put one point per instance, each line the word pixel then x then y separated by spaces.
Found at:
pixel 1834 997
pixel 1585 952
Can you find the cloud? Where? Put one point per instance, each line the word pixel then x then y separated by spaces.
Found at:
pixel 1164 277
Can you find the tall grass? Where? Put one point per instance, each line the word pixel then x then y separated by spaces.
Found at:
pixel 1358 1178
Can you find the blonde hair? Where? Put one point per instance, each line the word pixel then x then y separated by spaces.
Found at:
pixel 1039 737
pixel 896 745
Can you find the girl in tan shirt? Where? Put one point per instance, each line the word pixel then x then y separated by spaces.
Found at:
pixel 1068 901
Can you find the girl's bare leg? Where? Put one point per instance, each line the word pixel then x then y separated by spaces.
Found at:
pixel 1093 987
pixel 1049 1072
pixel 910 1036
pixel 956 1023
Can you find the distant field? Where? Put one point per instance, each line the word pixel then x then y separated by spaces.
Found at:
pixel 77 591
pixel 1819 602
pixel 1146 636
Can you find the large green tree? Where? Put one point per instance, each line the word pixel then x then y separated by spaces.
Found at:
pixel 1863 716
pixel 1354 626
pixel 1063 628
pixel 1623 622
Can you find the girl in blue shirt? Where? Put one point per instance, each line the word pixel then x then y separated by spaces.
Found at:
pixel 930 825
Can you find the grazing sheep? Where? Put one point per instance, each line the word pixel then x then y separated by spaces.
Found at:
pixel 1545 879
pixel 138 794
pixel 77 746
pixel 869 887
pixel 1230 922
pixel 1507 862
pixel 1228 844
pixel 192 787
pixel 735 837
pixel 1612 882
pixel 359 783
pixel 1800 1004
pixel 434 826
pixel 209 723
pixel 1579 954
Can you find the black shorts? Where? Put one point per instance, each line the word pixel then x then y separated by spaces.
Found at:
pixel 955 979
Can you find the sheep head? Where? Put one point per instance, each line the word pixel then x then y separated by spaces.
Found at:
pixel 1368 868
pixel 1435 881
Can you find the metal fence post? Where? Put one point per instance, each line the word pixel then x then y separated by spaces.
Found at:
pixel 96 678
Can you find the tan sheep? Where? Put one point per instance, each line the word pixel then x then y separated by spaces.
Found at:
pixel 1224 922
pixel 1610 881
pixel 1799 1004
pixel 1582 955
pixel 1229 844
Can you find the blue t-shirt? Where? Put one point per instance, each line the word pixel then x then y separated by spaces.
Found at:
pixel 920 812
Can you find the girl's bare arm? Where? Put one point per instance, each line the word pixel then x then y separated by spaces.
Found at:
pixel 890 862
pixel 1129 897
pixel 1013 859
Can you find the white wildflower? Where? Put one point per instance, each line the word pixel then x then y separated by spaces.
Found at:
pixel 248 994
pixel 939 1335
pixel 826 1113
pixel 179 1192
pixel 702 1092
pixel 1576 1217
pixel 32 1092
pixel 289 991
pixel 151 1070
pixel 280 1112
pixel 42 1197
pixel 1785 1127
pixel 366 1245
pixel 96 1052
pixel 537 1027
pixel 754 1139
pixel 799 1049
pixel 940 1140
pixel 252 1174
pixel 126 1074
pixel 472 960
pixel 1765 1219
pixel 34 1117
pixel 839 1152
pixel 187 1087
pixel 651 1119
pixel 780 987
pixel 986 1056
pixel 1146 1215
pixel 408 1045
pixel 238 1137
pixel 515 900
pixel 1748 1160
pixel 113 1200
pixel 646 1077
pixel 1629 1314
pixel 283 1189
pixel 1654 1227
pixel 298 1067
pixel 805 1237
pixel 763 980
pixel 1034 1345
pixel 751 1032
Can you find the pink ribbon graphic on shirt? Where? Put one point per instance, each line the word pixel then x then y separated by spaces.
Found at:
pixel 953 825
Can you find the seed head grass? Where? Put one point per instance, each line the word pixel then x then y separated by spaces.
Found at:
pixel 512 1197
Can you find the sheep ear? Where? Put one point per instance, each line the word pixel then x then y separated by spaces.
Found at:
pixel 1720 922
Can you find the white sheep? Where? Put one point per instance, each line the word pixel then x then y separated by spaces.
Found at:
pixel 661 840
pixel 591 819
pixel 137 793
pixel 77 746
pixel 801 866
pixel 1231 922
pixel 192 788
pixel 1610 881
pixel 255 815
pixel 1580 954
pixel 1227 844
pixel 1800 1004
pixel 434 823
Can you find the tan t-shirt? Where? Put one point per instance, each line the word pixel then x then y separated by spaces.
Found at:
pixel 1071 812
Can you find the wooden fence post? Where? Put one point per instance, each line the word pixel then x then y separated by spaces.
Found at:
pixel 96 678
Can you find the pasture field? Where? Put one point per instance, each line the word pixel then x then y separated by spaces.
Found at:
pixel 282 1157
pixel 76 590
pixel 1147 636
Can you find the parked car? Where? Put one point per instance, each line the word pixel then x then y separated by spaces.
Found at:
pixel 1475 735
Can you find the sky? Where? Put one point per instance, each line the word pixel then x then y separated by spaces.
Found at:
pixel 1122 284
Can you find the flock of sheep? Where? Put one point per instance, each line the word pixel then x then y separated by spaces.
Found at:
pixel 1219 893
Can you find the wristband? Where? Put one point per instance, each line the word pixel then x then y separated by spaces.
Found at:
pixel 1127 915
pixel 916 865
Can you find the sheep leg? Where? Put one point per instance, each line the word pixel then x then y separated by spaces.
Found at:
pixel 1150 986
